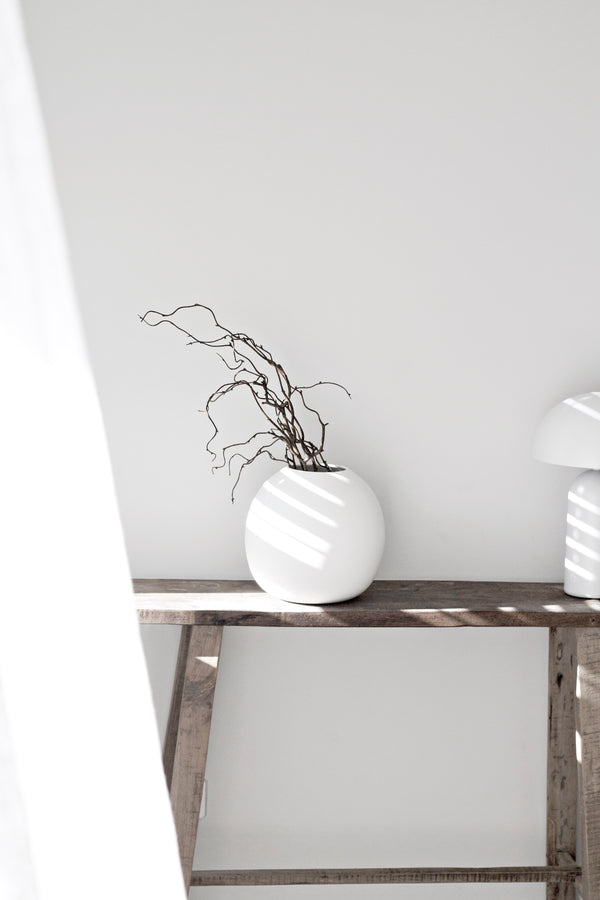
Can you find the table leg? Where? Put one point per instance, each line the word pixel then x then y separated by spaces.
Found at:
pixel 175 708
pixel 188 729
pixel 588 755
pixel 561 808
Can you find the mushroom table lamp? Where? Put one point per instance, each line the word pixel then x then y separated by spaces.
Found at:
pixel 569 435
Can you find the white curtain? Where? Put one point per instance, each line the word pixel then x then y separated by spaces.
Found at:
pixel 84 811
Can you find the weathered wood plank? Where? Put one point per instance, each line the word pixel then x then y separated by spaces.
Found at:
pixel 513 875
pixel 561 808
pixel 189 762
pixel 385 604
pixel 588 729
pixel 175 708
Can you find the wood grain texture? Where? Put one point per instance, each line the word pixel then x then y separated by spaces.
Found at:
pixel 175 708
pixel 385 604
pixel 193 730
pixel 513 875
pixel 564 890
pixel 561 807
pixel 588 728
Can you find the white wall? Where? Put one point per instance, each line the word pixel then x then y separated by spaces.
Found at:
pixel 402 196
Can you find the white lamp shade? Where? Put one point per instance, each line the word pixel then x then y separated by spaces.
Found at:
pixel 569 434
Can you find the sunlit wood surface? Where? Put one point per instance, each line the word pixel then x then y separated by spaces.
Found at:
pixel 386 604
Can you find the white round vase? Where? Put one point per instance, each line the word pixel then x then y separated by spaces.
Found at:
pixel 314 537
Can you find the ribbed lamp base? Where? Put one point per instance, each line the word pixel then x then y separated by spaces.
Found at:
pixel 582 551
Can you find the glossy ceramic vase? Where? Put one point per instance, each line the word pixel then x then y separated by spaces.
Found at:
pixel 314 537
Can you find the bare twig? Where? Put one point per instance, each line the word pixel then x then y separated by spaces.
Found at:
pixel 271 390
pixel 309 387
pixel 240 444
pixel 249 460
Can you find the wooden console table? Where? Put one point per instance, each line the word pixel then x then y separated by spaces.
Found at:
pixel 204 608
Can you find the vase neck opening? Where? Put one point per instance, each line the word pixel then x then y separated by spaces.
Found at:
pixel 317 470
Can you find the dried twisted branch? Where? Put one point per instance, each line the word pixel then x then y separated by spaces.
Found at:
pixel 271 390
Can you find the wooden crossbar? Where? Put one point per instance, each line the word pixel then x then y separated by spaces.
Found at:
pixel 506 875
